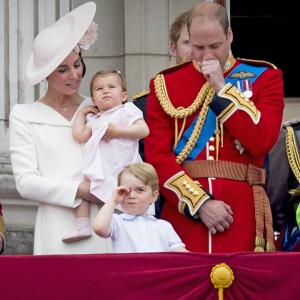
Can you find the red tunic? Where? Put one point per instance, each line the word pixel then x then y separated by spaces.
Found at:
pixel 183 83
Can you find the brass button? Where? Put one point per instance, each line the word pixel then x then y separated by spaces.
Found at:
pixel 211 148
pixel 211 158
pixel 212 139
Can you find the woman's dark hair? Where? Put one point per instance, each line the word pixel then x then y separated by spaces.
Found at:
pixel 83 64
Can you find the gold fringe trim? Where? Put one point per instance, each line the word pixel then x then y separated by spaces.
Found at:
pixel 270 247
pixel 259 244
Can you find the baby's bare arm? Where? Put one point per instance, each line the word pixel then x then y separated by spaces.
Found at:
pixel 80 130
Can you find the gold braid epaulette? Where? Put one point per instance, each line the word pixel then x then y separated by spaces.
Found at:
pixel 204 97
pixel 292 152
pixel 141 94
pixel 180 112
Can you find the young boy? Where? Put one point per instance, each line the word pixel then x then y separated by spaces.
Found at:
pixel 135 230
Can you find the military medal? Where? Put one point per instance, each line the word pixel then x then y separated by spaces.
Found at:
pixel 245 87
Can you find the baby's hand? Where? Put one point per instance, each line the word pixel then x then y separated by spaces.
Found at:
pixel 89 109
pixel 112 131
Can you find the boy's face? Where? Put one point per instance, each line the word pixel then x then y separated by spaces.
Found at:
pixel 140 196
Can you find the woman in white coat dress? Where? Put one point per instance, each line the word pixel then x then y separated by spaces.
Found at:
pixel 43 154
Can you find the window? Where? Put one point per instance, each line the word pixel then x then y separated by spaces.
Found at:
pixel 262 30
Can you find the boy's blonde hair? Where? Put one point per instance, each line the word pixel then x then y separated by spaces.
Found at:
pixel 144 172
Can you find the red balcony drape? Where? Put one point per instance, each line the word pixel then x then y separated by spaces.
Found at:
pixel 148 276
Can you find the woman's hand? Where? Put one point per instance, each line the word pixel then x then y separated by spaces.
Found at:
pixel 83 192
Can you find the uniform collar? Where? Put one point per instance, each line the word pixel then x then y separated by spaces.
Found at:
pixel 229 63
pixel 109 111
pixel 126 216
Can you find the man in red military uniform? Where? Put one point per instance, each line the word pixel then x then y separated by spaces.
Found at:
pixel 212 121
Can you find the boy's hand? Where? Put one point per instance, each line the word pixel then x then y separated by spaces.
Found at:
pixel 120 194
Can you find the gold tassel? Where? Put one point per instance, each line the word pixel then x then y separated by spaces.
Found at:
pixel 259 244
pixel 221 277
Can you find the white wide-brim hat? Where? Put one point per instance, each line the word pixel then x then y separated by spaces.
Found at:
pixel 53 44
